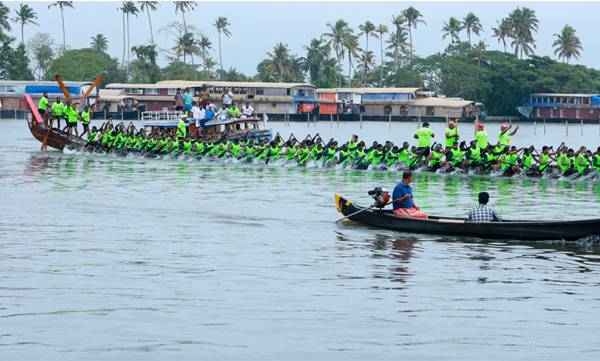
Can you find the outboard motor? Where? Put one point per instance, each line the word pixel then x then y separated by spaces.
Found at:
pixel 381 197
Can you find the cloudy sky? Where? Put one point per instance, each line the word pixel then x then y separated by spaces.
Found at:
pixel 257 26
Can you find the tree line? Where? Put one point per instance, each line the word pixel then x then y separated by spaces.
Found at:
pixel 341 56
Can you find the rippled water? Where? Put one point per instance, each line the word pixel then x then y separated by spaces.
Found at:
pixel 121 259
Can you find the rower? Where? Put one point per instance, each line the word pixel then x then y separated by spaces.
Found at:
pixel 58 109
pixel 181 128
pixel 451 134
pixel 86 117
pixel 596 160
pixel 403 202
pixel 353 143
pixel 483 212
pixel 505 134
pixel 72 117
pixel 481 137
pixel 43 106
pixel 424 135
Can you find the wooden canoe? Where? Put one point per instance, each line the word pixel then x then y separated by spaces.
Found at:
pixel 513 229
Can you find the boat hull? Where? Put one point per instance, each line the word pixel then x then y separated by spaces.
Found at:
pixel 514 230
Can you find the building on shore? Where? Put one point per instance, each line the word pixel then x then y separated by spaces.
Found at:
pixel 561 107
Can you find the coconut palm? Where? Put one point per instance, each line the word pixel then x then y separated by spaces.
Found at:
pixel 523 24
pixel 567 44
pixel 62 5
pixel 381 30
pixel 367 29
pixel 4 18
pixel 128 8
pixel 398 39
pixel 352 48
pixel 221 25
pixel 503 31
pixel 149 6
pixel 187 45
pixel 99 43
pixel 472 25
pixel 184 7
pixel 25 15
pixel 279 61
pixel 205 45
pixel 336 36
pixel 316 60
pixel 366 63
pixel 413 18
pixel 452 28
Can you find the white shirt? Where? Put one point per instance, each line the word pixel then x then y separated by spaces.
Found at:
pixel 222 113
pixel 248 111
pixel 196 112
pixel 228 98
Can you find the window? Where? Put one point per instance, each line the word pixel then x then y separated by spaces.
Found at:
pixel 171 91
pixel 551 112
pixel 430 111
pixel 260 91
pixel 273 107
pixel 561 113
pixel 151 91
pixel 586 100
pixel 134 91
pixel 387 110
pixel 403 110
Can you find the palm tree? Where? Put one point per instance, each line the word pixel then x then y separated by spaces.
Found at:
pixel 4 18
pixel 367 61
pixel 523 24
pixel 398 39
pixel 472 25
pixel 99 43
pixel 567 44
pixel 205 45
pixel 62 5
pixel 316 59
pixel 352 49
pixel 25 15
pixel 149 6
pixel 221 25
pixel 503 31
pixel 338 32
pixel 187 45
pixel 280 58
pixel 128 8
pixel 367 29
pixel 413 18
pixel 452 28
pixel 381 29
pixel 184 7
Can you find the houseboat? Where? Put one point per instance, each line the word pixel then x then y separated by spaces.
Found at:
pixel 12 93
pixel 276 99
pixel 561 107
pixel 394 103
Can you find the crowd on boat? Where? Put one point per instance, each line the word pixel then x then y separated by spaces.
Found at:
pixel 478 156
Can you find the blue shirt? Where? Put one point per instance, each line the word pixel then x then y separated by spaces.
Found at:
pixel 187 98
pixel 400 191
pixel 209 115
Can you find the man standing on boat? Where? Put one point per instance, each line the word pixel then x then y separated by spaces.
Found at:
pixel 227 97
pixel 424 135
pixel 403 202
pixel 483 212
pixel 451 134
pixel 43 106
pixel 505 134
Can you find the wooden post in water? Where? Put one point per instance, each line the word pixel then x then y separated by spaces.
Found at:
pixel 534 126
pixel 390 121
pixel 544 126
pixel 337 120
pixel 582 127
pixel 331 120
pixel 360 119
pixel 308 119
pixel 566 128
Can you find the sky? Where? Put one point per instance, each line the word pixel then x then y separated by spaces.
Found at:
pixel 257 26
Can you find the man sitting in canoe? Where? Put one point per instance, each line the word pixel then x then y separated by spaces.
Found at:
pixel 403 203
pixel 483 212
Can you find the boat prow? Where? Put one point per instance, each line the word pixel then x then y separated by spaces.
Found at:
pixel 514 230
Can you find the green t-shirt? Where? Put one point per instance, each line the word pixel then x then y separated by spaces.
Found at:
pixel 43 104
pixel 504 138
pixel 58 109
pixel 481 137
pixel 454 134
pixel 424 135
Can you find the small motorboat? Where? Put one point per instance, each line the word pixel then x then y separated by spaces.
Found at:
pixel 376 216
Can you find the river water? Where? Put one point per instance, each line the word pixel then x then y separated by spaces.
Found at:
pixel 129 259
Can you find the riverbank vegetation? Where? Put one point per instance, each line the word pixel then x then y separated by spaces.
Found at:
pixel 369 56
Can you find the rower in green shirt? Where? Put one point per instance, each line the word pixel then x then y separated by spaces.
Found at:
pixel 58 110
pixel 481 137
pixel 451 134
pixel 43 106
pixel 505 134
pixel 86 117
pixel 72 117
pixel 181 128
pixel 424 135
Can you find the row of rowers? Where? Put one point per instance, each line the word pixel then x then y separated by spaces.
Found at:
pixel 354 153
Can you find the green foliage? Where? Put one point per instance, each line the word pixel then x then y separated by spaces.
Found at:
pixel 232 75
pixel 178 70
pixel 144 69
pixel 85 65
pixel 14 62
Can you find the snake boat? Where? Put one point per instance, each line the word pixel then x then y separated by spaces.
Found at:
pixel 507 229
